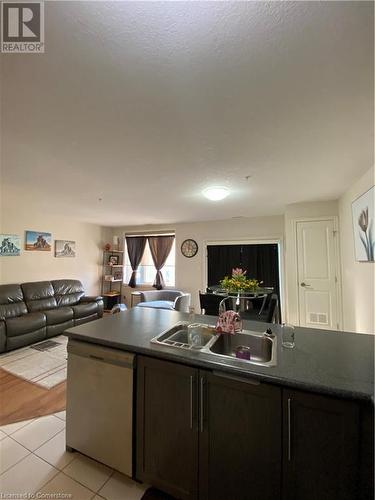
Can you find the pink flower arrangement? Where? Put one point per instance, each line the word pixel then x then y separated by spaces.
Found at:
pixel 238 282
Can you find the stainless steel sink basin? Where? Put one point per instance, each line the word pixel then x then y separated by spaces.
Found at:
pixel 222 347
pixel 177 336
pixel 261 347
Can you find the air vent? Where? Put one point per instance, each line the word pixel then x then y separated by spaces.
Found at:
pixel 319 318
pixel 46 345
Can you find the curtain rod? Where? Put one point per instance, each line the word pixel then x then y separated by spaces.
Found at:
pixel 130 235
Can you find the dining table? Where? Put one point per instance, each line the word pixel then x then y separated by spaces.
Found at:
pixel 242 300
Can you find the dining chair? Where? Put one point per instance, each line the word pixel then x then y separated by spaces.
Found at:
pixel 209 303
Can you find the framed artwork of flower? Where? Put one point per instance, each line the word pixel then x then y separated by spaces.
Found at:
pixel 363 226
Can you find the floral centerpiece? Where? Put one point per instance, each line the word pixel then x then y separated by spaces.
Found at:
pixel 238 282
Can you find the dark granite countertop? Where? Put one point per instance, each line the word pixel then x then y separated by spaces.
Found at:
pixel 333 363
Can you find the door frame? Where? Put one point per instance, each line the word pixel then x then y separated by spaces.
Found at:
pixel 279 241
pixel 335 220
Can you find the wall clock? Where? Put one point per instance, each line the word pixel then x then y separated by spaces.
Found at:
pixel 189 248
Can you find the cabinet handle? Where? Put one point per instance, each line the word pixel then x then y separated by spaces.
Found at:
pixel 191 401
pixel 202 405
pixel 289 430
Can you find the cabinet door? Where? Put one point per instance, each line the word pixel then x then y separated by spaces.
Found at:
pixel 240 439
pixel 321 447
pixel 167 433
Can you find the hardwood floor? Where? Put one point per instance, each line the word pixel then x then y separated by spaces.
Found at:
pixel 22 400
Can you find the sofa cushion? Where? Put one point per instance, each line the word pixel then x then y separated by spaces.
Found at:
pixel 25 324
pixel 53 330
pixel 11 301
pixel 39 296
pixel 83 310
pixel 156 295
pixel 67 292
pixel 59 315
pixel 157 304
pixel 87 319
pixel 25 339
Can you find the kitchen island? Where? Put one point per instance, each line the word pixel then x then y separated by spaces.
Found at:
pixel 210 428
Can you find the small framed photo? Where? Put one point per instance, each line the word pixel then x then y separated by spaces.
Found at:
pixel 65 248
pixel 117 275
pixel 113 260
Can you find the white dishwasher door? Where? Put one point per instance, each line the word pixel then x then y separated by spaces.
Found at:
pixel 99 407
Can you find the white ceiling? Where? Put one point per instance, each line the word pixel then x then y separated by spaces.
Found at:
pixel 144 104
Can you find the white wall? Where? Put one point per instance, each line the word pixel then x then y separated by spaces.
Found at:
pixel 293 212
pixel 36 266
pixel 357 277
pixel 190 272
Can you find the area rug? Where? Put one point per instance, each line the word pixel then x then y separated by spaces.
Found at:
pixel 45 368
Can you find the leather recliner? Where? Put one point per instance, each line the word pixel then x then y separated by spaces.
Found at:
pixel 32 312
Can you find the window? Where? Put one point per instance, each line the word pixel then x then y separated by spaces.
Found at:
pixel 146 271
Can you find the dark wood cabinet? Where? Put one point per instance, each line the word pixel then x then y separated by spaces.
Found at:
pixel 240 439
pixel 167 430
pixel 320 447
pixel 212 436
pixel 192 423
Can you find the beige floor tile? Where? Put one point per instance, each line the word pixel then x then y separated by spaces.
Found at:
pixel 120 487
pixel 53 451
pixel 32 436
pixel 62 484
pixel 88 472
pixel 11 452
pixel 11 428
pixel 2 435
pixel 61 414
pixel 27 476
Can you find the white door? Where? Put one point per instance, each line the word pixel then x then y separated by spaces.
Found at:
pixel 317 264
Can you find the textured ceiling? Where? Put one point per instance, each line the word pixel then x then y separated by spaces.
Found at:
pixel 144 104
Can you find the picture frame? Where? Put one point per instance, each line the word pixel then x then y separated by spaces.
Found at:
pixel 38 241
pixel 113 260
pixel 65 248
pixel 10 245
pixel 117 274
pixel 363 226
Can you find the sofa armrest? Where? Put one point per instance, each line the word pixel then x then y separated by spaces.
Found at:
pixel 3 337
pixel 182 303
pixel 91 298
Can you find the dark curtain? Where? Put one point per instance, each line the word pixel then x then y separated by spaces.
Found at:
pixel 160 247
pixel 261 262
pixel 221 260
pixel 136 247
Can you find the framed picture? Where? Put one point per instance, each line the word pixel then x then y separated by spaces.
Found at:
pixel 10 245
pixel 65 248
pixel 117 275
pixel 113 260
pixel 38 241
pixel 363 226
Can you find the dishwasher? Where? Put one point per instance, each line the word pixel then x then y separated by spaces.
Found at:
pixel 99 406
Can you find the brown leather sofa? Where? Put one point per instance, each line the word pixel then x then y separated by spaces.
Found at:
pixel 31 312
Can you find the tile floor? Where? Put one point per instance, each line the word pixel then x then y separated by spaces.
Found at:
pixel 33 460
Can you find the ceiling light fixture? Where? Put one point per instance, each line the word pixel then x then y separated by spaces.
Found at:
pixel 216 193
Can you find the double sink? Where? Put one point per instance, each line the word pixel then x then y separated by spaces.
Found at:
pixel 261 346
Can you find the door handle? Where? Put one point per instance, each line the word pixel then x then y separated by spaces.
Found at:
pixel 202 404
pixel 289 429
pixel 304 284
pixel 191 401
